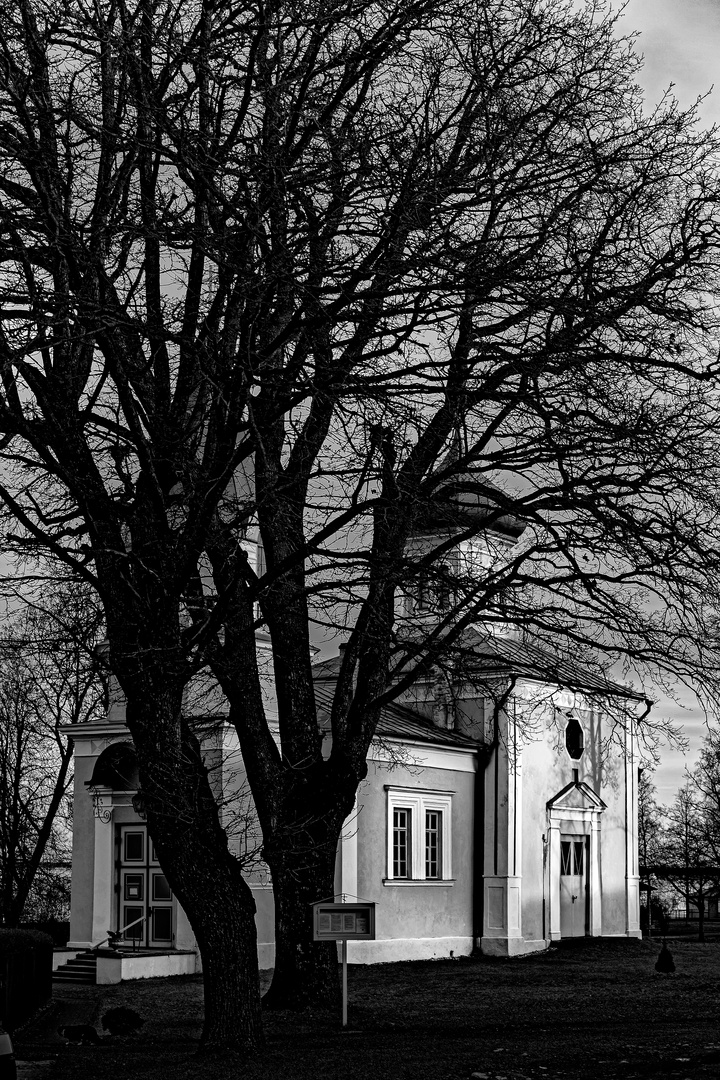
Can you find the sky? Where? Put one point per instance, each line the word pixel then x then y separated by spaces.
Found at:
pixel 680 41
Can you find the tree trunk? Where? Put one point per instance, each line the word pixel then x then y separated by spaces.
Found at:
pixel 220 907
pixel 306 971
pixel 184 823
pixel 222 914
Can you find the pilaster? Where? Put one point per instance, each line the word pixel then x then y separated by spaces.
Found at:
pixel 349 854
pixel 632 857
pixel 502 878
pixel 103 875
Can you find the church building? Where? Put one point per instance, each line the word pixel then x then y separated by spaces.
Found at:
pixel 498 814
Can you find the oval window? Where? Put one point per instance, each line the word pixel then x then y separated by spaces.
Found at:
pixel 574 739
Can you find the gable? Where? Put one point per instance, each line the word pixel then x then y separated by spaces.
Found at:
pixel 576 796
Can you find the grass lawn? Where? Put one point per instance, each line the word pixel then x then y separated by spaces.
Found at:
pixel 590 1012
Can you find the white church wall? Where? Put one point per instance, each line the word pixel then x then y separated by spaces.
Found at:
pixel 606 766
pixel 416 919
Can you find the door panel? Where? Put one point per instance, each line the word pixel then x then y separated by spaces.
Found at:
pixel 160 926
pixel 135 930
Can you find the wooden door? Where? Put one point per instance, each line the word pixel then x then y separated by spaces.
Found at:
pixel 145 894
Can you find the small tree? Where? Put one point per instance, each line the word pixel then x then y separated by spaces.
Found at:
pixel 49 677
pixel 650 836
pixel 705 778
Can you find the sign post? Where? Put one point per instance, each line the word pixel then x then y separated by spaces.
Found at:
pixel 344 980
pixel 344 922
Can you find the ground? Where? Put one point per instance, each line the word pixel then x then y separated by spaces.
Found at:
pixel 594 1011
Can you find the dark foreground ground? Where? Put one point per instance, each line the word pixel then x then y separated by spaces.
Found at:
pixel 599 1011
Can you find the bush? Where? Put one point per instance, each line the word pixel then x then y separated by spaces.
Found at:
pixel 25 974
pixel 59 931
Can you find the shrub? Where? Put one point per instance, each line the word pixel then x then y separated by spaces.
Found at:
pixel 25 974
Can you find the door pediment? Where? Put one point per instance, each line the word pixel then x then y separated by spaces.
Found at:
pixel 576 796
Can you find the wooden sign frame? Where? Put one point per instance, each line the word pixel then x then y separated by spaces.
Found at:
pixel 344 922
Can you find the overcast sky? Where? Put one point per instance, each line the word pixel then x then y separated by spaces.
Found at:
pixel 680 40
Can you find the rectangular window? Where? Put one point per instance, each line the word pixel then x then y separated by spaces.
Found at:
pixel 572 858
pixel 401 843
pixel 436 586
pixel 419 835
pixel 433 841
pixel 578 852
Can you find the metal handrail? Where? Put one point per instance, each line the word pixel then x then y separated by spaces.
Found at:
pixel 114 936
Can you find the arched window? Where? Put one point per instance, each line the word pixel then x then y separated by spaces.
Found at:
pixel 574 738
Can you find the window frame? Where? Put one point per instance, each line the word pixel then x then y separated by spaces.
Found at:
pixel 407 845
pixel 572 857
pixel 418 802
pixel 436 857
pixel 574 738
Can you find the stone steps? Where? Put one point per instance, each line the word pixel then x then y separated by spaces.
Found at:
pixel 83 969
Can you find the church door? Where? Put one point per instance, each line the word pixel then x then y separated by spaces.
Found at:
pixel 144 893
pixel 573 891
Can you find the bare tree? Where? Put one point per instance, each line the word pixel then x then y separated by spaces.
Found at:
pixel 650 837
pixel 689 862
pixel 49 677
pixel 705 777
pixel 350 274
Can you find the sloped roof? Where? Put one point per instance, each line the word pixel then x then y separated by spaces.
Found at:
pixel 397 721
pixel 521 659
pixel 506 656
pixel 466 501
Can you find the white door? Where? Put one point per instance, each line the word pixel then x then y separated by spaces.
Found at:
pixel 573 891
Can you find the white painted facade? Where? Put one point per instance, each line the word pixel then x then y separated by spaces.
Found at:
pixel 510 813
pixel 477 827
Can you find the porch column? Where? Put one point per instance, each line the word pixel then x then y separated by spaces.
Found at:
pixel 103 869
pixel 553 881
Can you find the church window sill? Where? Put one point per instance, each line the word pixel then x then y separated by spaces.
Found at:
pixel 415 882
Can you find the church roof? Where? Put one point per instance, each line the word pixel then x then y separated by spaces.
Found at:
pixel 486 656
pixel 398 721
pixel 504 655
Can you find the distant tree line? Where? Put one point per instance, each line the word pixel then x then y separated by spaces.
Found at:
pixel 679 845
